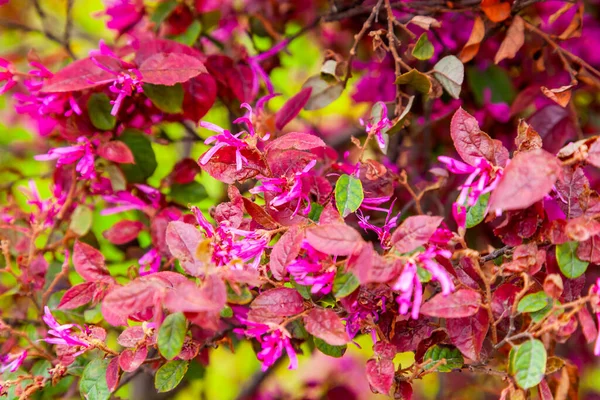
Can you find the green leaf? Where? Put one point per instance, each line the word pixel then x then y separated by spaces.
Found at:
pixel 81 220
pixel 476 213
pixel 315 212
pixel 171 335
pixel 529 363
pixel 423 49
pixel 450 72
pixel 424 275
pixel 93 384
pixel 99 109
pixel 494 78
pixel 323 92
pixel 452 355
pixel 344 284
pixel 243 297
pixel 348 194
pixel 329 350
pixel 303 290
pixel 416 79
pixel 143 154
pixel 169 375
pixel 191 34
pixel 537 316
pixel 533 302
pixel 226 312
pixel 192 192
pixel 571 266
pixel 162 11
pixel 166 98
pixel 40 368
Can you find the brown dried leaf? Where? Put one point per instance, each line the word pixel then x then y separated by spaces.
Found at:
pixel 425 22
pixel 472 46
pixel 560 96
pixel 495 10
pixel 575 27
pixel 514 40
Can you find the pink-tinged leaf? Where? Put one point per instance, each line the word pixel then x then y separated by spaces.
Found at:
pixel 123 232
pixel 188 297
pixel 292 108
pixel 526 180
pixel 414 232
pixel 582 228
pixel 285 251
pixel 570 186
pixel 82 74
pixel 130 360
pixel 334 239
pixel 409 333
pixel 199 96
pixel 554 125
pixel 276 303
pixel 593 156
pixel 183 240
pixel 470 142
pixel 590 250
pixel 78 295
pixel 170 68
pixel 116 151
pixel 360 263
pixel 380 374
pixel 158 228
pixel 405 390
pixel 326 325
pixel 223 165
pixel 467 334
pixel 460 304
pixel 143 294
pixel 330 215
pixel 588 326
pixel 89 263
pixel 544 391
pixel 131 336
pixel 288 162
pixel 112 374
pixel 385 350
pixel 149 47
pixel 296 141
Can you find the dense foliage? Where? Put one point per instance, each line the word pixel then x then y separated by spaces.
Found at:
pixel 396 216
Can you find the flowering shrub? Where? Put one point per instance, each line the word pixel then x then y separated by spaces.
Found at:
pixel 401 219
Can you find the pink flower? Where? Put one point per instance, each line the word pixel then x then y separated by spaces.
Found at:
pixel 124 14
pixel 273 341
pixel 149 262
pixel 83 152
pixel 410 285
pixel 312 271
pixel 46 209
pixel 259 72
pixel 6 75
pixel 295 188
pixel 383 233
pixel 61 334
pixel 125 201
pixel 12 362
pixel 473 187
pixel 498 111
pixel 596 290
pixel 378 125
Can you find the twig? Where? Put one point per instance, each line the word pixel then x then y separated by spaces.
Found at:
pixel 42 15
pixel 68 27
pixel 495 254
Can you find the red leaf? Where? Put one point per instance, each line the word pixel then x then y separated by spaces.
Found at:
pixel 112 374
pixel 158 228
pixel 123 231
pixel 414 232
pixel 116 151
pixel 276 303
pixel 405 390
pixel 326 325
pixel 296 141
pixel 462 303
pixel 288 162
pixel 588 327
pixel 570 186
pixel 526 180
pixel 334 239
pixel 149 47
pixel 467 334
pixel 89 263
pixel 292 108
pixel 544 391
pixel 199 96
pixel 285 251
pixel 594 154
pixel 258 214
pixel 78 295
pixel 380 374
pixel 130 360
pixel 140 295
pixel 183 240
pixel 470 142
pixel 554 125
pixel 82 74
pixel 222 165
pixel 590 250
pixel 188 297
pixel 185 171
pixel 170 68
pixel 503 299
pixel 131 336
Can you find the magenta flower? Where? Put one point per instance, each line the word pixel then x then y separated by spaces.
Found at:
pixel 273 341
pixel 149 262
pixel 259 72
pixel 61 334
pixel 383 233
pixel 311 270
pixel 12 362
pixel 379 127
pixel 295 188
pixel 474 187
pixel 498 111
pixel 124 14
pixel 596 290
pixel 83 152
pixel 125 201
pixel 46 209
pixel 410 285
pixel 6 76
